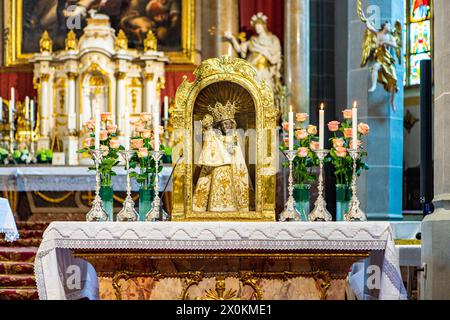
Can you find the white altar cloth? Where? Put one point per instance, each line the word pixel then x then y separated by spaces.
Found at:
pixel 7 222
pixel 54 255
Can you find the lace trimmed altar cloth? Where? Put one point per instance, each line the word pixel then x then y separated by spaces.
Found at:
pixel 54 258
pixel 7 222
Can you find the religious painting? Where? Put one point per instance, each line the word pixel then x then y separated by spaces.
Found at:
pixel 170 20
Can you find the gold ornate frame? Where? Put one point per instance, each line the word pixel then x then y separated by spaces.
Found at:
pixel 13 34
pixel 240 72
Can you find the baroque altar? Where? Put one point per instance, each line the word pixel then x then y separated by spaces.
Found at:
pixel 97 68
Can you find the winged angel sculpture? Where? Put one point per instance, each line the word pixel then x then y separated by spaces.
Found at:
pixel 377 47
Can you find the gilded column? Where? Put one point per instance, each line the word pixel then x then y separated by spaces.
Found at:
pixel 71 101
pixel 296 48
pixel 121 99
pixel 224 16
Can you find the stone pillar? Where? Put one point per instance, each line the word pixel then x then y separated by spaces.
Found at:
pixel 380 188
pixel 296 53
pixel 435 228
pixel 71 101
pixel 121 100
pixel 149 91
pixel 224 15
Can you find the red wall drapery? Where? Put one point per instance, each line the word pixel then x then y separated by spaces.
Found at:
pixel 22 82
pixel 173 81
pixel 273 9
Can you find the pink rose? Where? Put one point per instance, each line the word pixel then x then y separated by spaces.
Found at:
pixel 303 152
pixel 301 134
pixel 105 149
pixel 90 124
pixel 347 114
pixel 333 126
pixel 142 153
pixel 114 143
pixel 111 128
pixel 103 135
pixel 341 152
pixel 314 145
pixel 359 144
pixel 286 126
pixel 136 143
pixel 286 140
pixel 363 128
pixel 106 116
pixel 139 126
pixel 337 143
pixel 145 117
pixel 89 142
pixel 147 134
pixel 312 130
pixel 301 117
pixel 348 132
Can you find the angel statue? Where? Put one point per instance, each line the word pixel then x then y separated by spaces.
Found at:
pixel 263 51
pixel 376 47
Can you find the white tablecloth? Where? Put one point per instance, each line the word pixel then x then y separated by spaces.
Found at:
pixel 54 255
pixel 7 223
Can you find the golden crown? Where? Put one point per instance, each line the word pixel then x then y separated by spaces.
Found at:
pixel 222 112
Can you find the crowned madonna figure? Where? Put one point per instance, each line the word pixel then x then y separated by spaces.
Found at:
pixel 223 185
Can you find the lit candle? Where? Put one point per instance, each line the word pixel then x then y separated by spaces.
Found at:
pixel 321 127
pixel 355 126
pixel 166 107
pixel 156 125
pixel 291 129
pixel 27 107
pixel 97 126
pixel 127 128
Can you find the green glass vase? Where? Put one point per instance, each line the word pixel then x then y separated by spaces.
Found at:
pixel 343 195
pixel 107 193
pixel 146 197
pixel 301 198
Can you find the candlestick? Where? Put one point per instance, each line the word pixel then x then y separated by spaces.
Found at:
pixel 128 213
pixel 354 212
pixel 355 126
pixel 127 129
pixel 291 128
pixel 320 212
pixel 289 213
pixel 156 124
pixel 156 213
pixel 97 212
pixel 97 127
pixel 321 127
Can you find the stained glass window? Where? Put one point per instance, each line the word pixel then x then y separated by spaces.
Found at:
pixel 418 37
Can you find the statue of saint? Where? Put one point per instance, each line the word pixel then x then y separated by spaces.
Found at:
pixel 376 47
pixel 223 185
pixel 263 51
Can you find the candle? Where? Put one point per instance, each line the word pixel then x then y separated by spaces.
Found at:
pixel 32 111
pixel 291 129
pixel 156 125
pixel 127 128
pixel 1 109
pixel 97 126
pixel 27 107
pixel 11 116
pixel 355 126
pixel 321 127
pixel 166 107
pixel 13 99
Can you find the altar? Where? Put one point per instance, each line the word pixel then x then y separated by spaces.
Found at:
pixel 214 260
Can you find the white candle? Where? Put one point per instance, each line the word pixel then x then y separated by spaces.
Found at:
pixel 32 111
pixel 97 126
pixel 321 127
pixel 355 126
pixel 166 107
pixel 13 99
pixel 291 129
pixel 11 115
pixel 1 109
pixel 156 124
pixel 27 107
pixel 127 128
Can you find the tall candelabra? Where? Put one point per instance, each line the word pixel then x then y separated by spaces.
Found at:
pixel 97 212
pixel 156 213
pixel 320 212
pixel 289 213
pixel 128 213
pixel 354 212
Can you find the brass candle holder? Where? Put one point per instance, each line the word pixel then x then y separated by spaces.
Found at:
pixel 97 212
pixel 289 213
pixel 354 212
pixel 156 213
pixel 128 213
pixel 320 212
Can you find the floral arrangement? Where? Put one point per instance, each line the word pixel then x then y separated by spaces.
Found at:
pixel 110 145
pixel 4 156
pixel 21 156
pixel 306 142
pixel 44 156
pixel 143 142
pixel 342 142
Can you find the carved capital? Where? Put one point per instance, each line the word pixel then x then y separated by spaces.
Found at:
pixel 149 76
pixel 72 75
pixel 121 75
pixel 45 77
